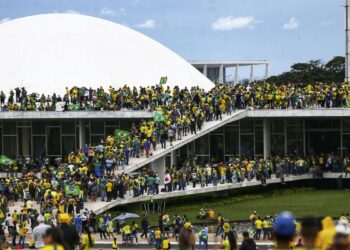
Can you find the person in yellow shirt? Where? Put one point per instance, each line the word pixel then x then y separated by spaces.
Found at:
pixel 109 188
pixel 258 226
pixel 53 240
pixel 22 233
pixel 230 242
pixel 87 240
pixel 115 244
pixel 265 225
pixel 126 230
pixel 325 237
pixel 158 236
pixel 166 244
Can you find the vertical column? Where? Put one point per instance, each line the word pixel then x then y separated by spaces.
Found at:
pixel 173 158
pixel 158 167
pixel 205 70
pixel 266 131
pixel 304 138
pixel 221 74
pixel 251 78
pixel 266 71
pixel 82 140
pixel 341 138
pixel 236 75
pixel 347 40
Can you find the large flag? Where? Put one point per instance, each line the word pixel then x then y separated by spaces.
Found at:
pixel 121 134
pixel 72 190
pixel 159 116
pixel 163 80
pixel 5 160
pixel 72 107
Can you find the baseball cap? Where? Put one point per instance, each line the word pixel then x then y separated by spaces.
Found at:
pixel 284 224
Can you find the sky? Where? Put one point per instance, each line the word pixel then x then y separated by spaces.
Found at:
pixel 280 31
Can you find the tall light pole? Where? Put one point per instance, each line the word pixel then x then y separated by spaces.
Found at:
pixel 347 40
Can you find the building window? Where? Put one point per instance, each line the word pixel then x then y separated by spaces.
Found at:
pixel 231 140
pixel 39 149
pixel 247 145
pixel 294 132
pixel 68 128
pixel 24 141
pixel 11 146
pixel 277 144
pixel 217 148
pixel 68 145
pixel 39 128
pixel 259 140
pixel 10 128
pixel 53 141
pixel 97 128
pixel 202 145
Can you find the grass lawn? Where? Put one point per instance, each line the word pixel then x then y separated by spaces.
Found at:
pixel 301 202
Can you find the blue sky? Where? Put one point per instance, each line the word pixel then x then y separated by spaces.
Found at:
pixel 281 31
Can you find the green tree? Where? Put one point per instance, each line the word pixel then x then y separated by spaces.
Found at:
pixel 313 71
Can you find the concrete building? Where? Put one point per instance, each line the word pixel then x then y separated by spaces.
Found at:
pixel 60 49
pixel 216 70
pixel 252 133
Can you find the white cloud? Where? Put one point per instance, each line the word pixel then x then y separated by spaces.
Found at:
pixel 291 24
pixel 135 2
pixel 110 12
pixel 107 12
pixel 72 12
pixel 326 23
pixel 230 23
pixel 148 24
pixel 4 20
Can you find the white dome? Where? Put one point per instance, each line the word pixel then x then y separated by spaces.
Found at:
pixel 46 53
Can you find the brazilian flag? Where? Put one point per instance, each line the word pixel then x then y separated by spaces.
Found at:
pixel 72 190
pixel 73 107
pixel 121 134
pixel 163 80
pixel 4 159
pixel 159 116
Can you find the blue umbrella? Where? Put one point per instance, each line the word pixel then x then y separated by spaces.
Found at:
pixel 125 216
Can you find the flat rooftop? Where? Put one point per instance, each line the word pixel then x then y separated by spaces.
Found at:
pixel 129 114
pixel 228 63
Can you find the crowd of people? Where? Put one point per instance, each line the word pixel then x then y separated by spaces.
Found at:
pixel 62 186
pixel 252 95
pixel 64 232
pixel 83 177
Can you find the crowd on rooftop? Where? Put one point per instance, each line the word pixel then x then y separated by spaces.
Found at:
pixel 252 95
pixel 64 185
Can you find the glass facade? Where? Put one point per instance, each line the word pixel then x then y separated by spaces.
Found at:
pixel 52 138
pixel 244 137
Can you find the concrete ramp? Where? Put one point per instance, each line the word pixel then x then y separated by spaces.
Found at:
pixel 136 163
pixel 100 207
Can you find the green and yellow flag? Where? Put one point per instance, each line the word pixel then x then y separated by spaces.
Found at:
pixel 121 134
pixel 163 80
pixel 73 107
pixel 159 116
pixel 72 190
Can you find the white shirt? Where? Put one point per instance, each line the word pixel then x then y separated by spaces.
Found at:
pixel 9 221
pixel 38 233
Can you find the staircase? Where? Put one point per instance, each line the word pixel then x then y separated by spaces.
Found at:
pixel 136 163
